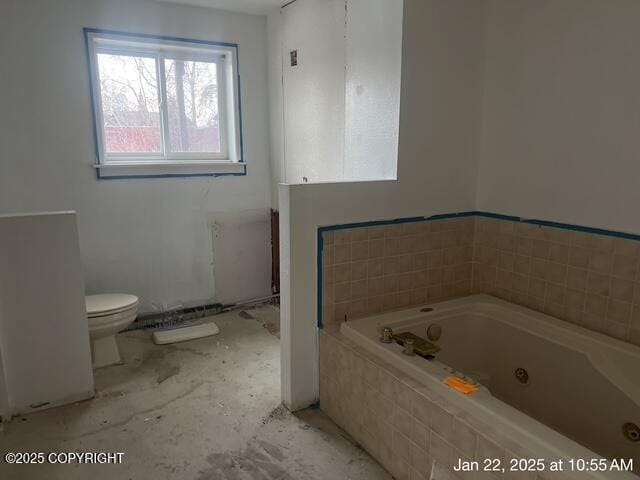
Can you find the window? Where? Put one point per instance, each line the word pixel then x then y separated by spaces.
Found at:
pixel 164 106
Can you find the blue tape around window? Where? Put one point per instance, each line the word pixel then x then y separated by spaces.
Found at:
pixel 169 175
pixel 542 223
pixel 240 107
pixel 88 30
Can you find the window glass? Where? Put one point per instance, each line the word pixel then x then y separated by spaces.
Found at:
pixel 130 104
pixel 192 106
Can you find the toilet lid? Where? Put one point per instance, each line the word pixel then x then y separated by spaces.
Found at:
pixel 109 304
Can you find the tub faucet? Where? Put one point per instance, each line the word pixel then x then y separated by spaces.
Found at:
pixel 409 347
pixel 387 335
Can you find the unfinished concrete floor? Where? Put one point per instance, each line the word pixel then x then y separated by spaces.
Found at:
pixel 203 410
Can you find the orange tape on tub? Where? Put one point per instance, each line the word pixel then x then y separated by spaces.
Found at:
pixel 460 385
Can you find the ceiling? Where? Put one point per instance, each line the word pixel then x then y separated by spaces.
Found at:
pixel 260 7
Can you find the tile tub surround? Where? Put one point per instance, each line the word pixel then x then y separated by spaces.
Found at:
pixel 369 270
pixel 587 279
pixel 404 425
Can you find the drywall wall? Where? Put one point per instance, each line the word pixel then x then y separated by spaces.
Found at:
pixel 373 62
pixel 314 89
pixel 440 118
pixel 276 102
pixel 152 237
pixel 334 116
pixel 44 333
pixel 5 409
pixel 239 250
pixel 561 107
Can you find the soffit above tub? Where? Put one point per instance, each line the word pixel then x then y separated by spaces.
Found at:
pixel 259 7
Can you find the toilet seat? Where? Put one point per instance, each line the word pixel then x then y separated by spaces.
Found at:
pixel 108 314
pixel 96 324
pixel 109 304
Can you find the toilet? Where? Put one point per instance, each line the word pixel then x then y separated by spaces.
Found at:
pixel 108 314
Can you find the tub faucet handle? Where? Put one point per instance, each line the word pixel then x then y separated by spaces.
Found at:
pixel 409 347
pixel 387 335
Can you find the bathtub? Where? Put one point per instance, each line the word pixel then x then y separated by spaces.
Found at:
pixel 578 388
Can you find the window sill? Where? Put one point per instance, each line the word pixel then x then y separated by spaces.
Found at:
pixel 170 169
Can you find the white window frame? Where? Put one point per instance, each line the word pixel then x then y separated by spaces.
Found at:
pixel 228 161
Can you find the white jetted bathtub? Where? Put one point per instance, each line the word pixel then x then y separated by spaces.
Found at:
pixel 557 389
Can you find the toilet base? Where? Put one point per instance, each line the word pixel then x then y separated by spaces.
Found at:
pixel 104 351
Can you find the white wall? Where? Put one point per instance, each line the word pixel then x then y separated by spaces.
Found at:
pixel 276 102
pixel 240 254
pixel 314 90
pixel 44 333
pixel 372 92
pixel 561 112
pixel 152 238
pixel 5 408
pixel 335 116
pixel 439 143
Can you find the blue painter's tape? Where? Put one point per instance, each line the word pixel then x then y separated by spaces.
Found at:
pixel 240 106
pixel 346 226
pixel 396 221
pixel 497 216
pixel 560 225
pixel 579 228
pixel 170 175
pixel 320 272
pixel 159 37
pixel 447 216
pixel 86 32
